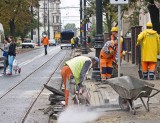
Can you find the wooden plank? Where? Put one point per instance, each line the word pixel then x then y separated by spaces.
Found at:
pixel 100 95
pixel 92 99
pixel 95 94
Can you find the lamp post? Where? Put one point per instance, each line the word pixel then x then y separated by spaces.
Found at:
pixel 99 36
pixel 44 16
pixel 84 43
pixel 38 28
pixel 99 40
pixel 32 22
pixel 48 22
pixel 81 21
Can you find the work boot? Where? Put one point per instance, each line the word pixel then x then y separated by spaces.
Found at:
pixel 151 77
pixel 145 75
pixel 103 79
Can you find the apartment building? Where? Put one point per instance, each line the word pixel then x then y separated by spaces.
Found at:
pixel 49 18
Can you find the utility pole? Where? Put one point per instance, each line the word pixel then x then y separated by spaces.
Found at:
pixel 84 46
pixel 119 3
pixel 44 16
pixel 32 22
pixel 99 40
pixel 48 22
pixel 81 21
pixel 38 28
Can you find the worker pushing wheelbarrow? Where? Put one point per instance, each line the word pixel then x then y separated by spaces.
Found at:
pixel 129 89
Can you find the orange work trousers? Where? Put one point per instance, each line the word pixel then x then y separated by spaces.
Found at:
pixel 148 67
pixel 105 66
pixel 66 73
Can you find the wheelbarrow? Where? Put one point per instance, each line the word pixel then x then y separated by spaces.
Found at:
pixel 129 89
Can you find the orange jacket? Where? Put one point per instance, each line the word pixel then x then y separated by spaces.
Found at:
pixel 45 41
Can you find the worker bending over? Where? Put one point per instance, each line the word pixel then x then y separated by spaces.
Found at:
pixel 77 67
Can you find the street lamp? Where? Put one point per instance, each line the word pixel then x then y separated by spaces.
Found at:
pixel 38 27
pixel 44 16
pixel 99 40
pixel 84 43
pixel 48 22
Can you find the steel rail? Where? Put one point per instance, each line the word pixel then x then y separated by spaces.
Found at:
pixel 23 120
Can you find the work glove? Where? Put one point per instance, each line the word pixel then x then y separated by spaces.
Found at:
pixel 111 52
pixel 124 53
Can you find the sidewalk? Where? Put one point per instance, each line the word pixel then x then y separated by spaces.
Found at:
pixel 103 95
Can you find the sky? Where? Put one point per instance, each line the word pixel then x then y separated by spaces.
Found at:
pixel 70 15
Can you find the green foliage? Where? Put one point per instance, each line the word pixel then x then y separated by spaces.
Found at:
pixel 93 29
pixel 110 12
pixel 17 11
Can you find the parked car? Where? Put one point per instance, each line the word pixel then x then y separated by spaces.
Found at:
pixel 28 43
pixel 52 42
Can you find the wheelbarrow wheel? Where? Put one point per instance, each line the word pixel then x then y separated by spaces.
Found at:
pixel 124 105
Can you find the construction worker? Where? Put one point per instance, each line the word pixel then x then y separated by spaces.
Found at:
pixel 106 58
pixel 45 42
pixel 150 44
pixel 73 43
pixel 114 36
pixel 76 67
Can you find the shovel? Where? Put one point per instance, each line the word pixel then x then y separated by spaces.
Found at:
pixel 140 71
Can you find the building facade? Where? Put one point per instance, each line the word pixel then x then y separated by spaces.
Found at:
pixel 49 18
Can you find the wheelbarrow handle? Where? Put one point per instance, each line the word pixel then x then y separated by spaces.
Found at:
pixel 153 89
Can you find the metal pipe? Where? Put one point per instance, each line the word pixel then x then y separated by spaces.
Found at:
pixel 48 22
pixel 80 21
pixel 44 16
pixel 119 38
pixel 99 16
pixel 38 28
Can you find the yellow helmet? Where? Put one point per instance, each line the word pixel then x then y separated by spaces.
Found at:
pixel 149 24
pixel 114 29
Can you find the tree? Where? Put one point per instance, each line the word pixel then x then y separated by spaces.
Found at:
pixel 154 14
pixel 70 26
pixel 110 12
pixel 15 15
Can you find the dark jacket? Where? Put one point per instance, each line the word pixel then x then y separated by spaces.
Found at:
pixel 12 49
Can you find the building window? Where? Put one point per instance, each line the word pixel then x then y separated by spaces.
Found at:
pixel 57 6
pixel 57 19
pixel 45 19
pixel 53 19
pixel 45 5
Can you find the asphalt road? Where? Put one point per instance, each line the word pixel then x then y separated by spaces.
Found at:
pixel 19 93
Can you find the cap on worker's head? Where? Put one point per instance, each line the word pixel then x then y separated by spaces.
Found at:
pixel 149 24
pixel 95 59
pixel 114 29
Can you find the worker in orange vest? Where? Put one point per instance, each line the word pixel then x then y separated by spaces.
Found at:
pixel 45 42
pixel 106 59
pixel 114 36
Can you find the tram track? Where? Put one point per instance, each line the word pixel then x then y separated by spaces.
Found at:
pixel 20 100
pixel 23 120
pixel 29 75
